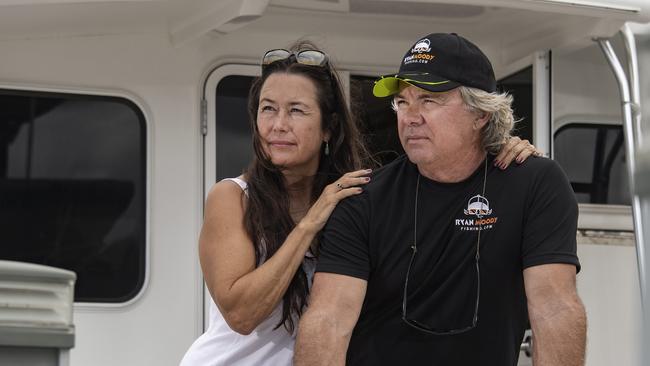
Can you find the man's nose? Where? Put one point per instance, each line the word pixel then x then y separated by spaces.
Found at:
pixel 412 115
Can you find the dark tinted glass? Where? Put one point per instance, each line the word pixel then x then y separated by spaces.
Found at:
pixel 377 120
pixel 233 133
pixel 520 86
pixel 72 189
pixel 593 158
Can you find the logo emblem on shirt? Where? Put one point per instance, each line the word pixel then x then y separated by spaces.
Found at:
pixel 478 207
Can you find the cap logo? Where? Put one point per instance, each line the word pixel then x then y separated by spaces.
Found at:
pixel 422 45
pixel 420 53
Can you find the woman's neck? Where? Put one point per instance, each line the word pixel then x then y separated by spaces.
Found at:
pixel 299 188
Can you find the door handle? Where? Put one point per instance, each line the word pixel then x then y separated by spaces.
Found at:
pixel 527 346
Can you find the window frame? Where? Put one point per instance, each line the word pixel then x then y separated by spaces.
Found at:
pixel 143 109
pixel 541 117
pixel 593 216
pixel 209 159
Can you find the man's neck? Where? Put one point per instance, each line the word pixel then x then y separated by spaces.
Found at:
pixel 454 169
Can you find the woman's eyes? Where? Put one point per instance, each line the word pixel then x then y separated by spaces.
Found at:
pixel 268 108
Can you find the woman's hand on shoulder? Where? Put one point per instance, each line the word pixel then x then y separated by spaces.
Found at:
pixel 515 149
pixel 348 185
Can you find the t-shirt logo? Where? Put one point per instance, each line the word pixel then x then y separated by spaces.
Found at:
pixel 479 207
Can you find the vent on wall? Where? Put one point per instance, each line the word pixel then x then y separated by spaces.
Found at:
pixel 415 8
pixel 331 5
pixel 219 17
pixel 390 7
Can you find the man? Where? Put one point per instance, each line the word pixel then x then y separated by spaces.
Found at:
pixel 444 258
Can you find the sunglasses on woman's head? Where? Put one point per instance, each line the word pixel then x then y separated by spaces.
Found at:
pixel 305 57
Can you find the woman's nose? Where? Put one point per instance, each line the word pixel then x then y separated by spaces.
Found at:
pixel 281 121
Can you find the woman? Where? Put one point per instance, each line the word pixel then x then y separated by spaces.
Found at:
pixel 259 237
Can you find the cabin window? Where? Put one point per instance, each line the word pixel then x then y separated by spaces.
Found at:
pixel 593 157
pixel 72 189
pixel 520 86
pixel 376 118
pixel 233 132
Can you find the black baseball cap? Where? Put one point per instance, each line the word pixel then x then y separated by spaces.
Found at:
pixel 440 62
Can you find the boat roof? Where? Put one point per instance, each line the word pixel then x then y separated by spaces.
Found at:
pixel 506 29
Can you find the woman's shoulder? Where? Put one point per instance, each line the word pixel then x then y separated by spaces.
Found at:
pixel 240 181
pixel 227 189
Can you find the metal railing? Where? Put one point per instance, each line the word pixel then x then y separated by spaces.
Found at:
pixel 631 108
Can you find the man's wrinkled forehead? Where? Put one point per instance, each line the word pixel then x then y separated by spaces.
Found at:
pixel 406 88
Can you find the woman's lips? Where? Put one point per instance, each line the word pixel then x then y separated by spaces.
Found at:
pixel 281 143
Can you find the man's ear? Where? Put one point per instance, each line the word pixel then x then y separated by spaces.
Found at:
pixel 481 120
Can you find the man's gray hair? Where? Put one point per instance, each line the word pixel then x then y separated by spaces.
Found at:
pixel 501 121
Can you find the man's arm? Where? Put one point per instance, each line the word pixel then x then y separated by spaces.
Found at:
pixel 557 316
pixel 326 327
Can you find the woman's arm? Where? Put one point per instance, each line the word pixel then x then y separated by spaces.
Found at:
pixel 247 295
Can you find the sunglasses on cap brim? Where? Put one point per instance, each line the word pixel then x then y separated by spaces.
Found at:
pixel 305 57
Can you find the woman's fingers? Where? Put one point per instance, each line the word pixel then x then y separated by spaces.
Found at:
pixel 352 179
pixel 515 149
pixel 507 146
pixel 347 182
pixel 347 192
pixel 506 155
pixel 525 153
pixel 357 173
pixel 346 186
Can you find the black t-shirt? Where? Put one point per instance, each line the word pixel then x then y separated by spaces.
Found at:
pixel 528 218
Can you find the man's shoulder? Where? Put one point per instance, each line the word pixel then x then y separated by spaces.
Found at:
pixel 390 173
pixel 538 162
pixel 536 176
pixel 382 182
pixel 535 168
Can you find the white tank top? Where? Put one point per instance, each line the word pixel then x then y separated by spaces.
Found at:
pixel 265 346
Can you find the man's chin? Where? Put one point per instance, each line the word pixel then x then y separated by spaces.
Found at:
pixel 417 157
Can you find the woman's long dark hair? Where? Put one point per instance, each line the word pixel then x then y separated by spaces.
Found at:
pixel 267 218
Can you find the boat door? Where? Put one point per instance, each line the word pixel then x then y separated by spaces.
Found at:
pixel 226 135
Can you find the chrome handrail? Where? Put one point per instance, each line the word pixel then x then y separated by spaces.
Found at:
pixel 630 105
